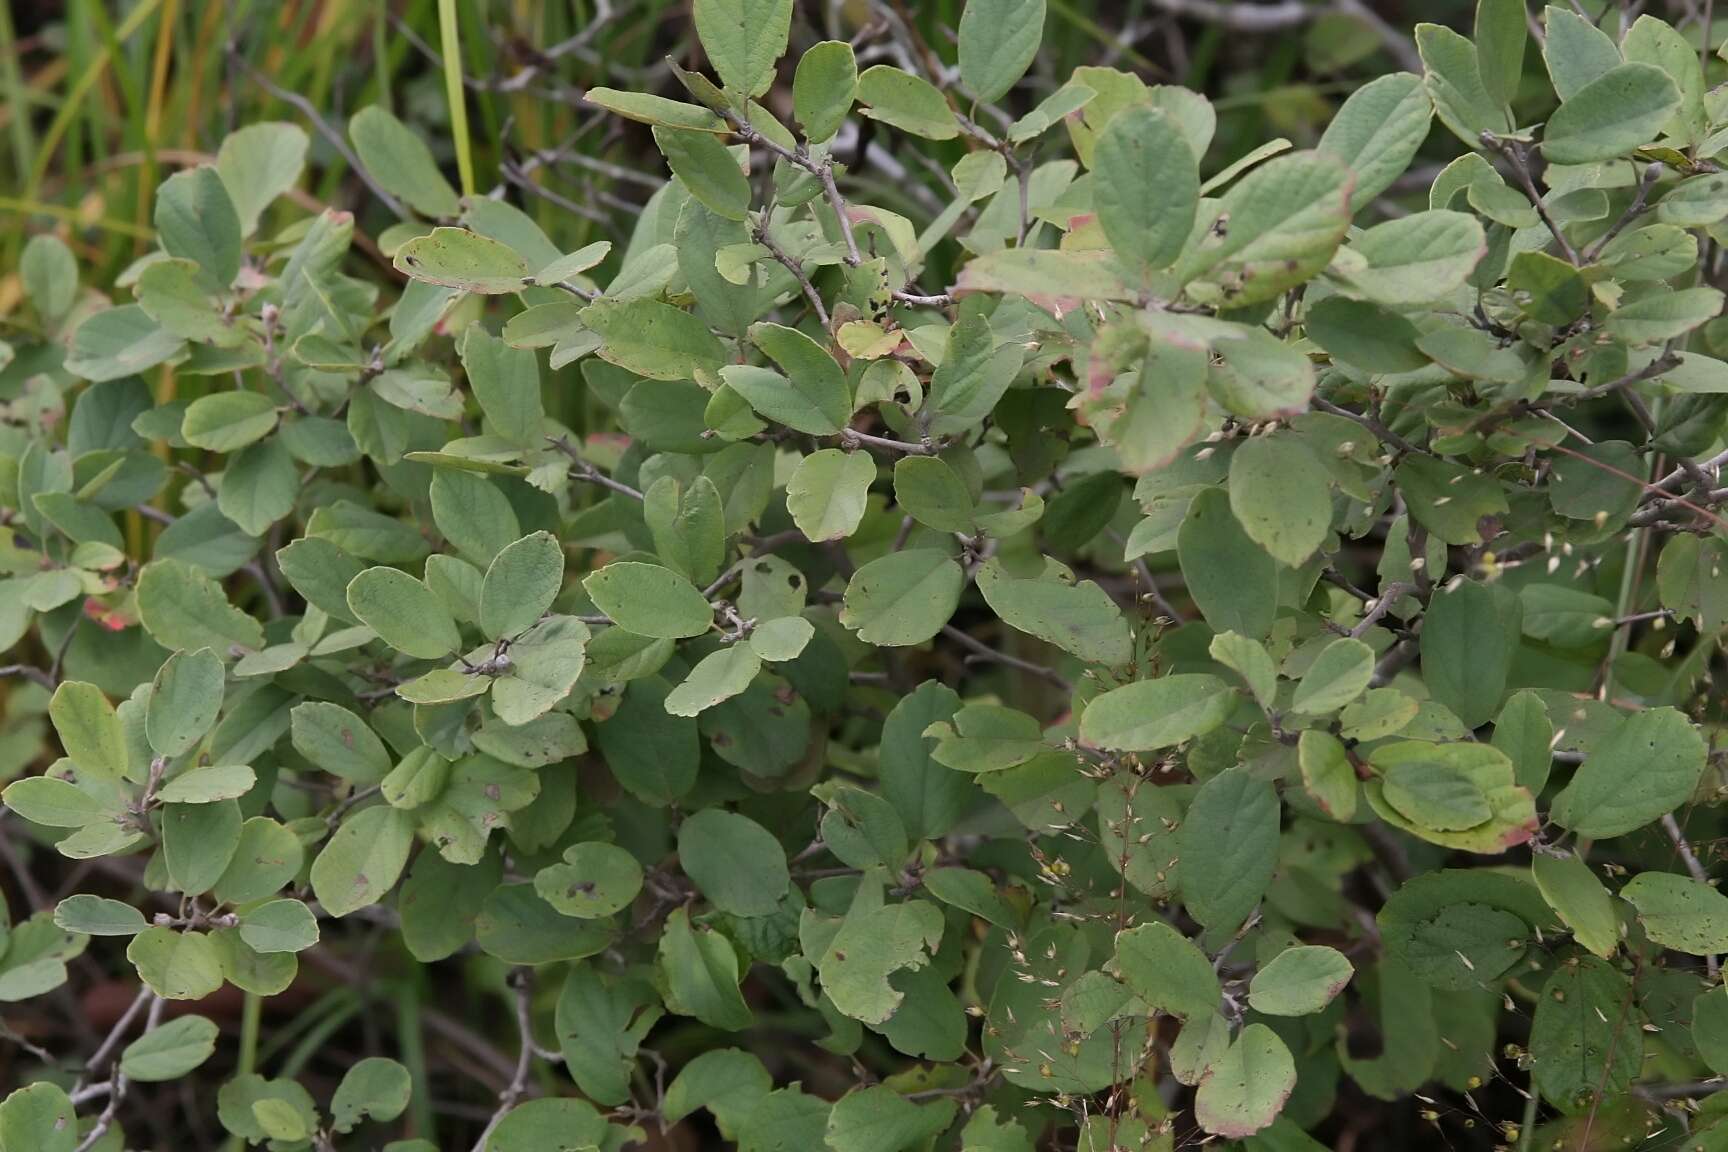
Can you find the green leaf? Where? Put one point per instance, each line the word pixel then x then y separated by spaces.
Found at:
pixel 1436 795
pixel 258 163
pixel 1664 316
pixel 506 382
pixel 184 700
pixel 1525 734
pixel 1053 280
pixel 744 39
pixel 1232 579
pixel 702 972
pixel 458 258
pixel 1697 201
pixel 55 803
pixel 521 584
pixel 902 598
pixel 199 841
pixel 594 881
pixel 405 613
pixel 119 342
pixel 1423 256
pixel 1338 675
pixel 1249 660
pixel 1228 846
pixel 473 514
pixel 375 1088
pixel 1585 1038
pixel 401 163
pixel 717 677
pixel 1500 37
pixel 1460 795
pixel 226 421
pixel 1152 714
pixel 707 169
pixel 1299 981
pixel 1080 618
pixel 176 965
pixel 1646 767
pixel 279 926
pixel 929 796
pixel 1579 899
pixel 177 296
pixel 647 109
pixel 874 942
pixel 259 486
pixel 1377 132
pixel 1140 149
pixel 973 375
pixel 1448 500
pixel 1469 637
pixel 1282 496
pixel 932 493
pixel 1655 42
pixel 1615 113
pixel 1285 221
pixel 1327 774
pixel 50 275
pixel 1167 970
pixel 823 89
pixel 815 399
pixel 98 916
pixel 1679 912
pixel 655 340
pixel 1247 1087
pixel 207 784
pixel 726 1081
pixel 601 1023
pixel 267 857
pixel 877 1118
pixel 649 600
pixel 1452 74
pixel 1381 712
pixel 1550 289
pixel 828 493
pixel 999 39
pixel 554 1123
pixel 363 860
pixel 170 1051
pixel 907 102
pixel 89 729
pixel 39 1117
pixel 1710 1028
pixel 1576 51
pixel 1457 928
pixel 734 861
pixel 338 742
pixel 196 221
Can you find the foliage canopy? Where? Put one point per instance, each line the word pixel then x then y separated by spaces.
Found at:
pixel 1243 647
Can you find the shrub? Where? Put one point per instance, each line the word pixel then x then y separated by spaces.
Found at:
pixel 1221 661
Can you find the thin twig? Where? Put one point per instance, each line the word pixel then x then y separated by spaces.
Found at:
pixel 28 672
pixel 1515 155
pixel 984 652
pixel 1693 868
pixel 1652 174
pixel 580 469
pixel 522 980
pixel 764 238
pixel 309 110
pixel 852 438
pixel 1373 423
pixel 1378 608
